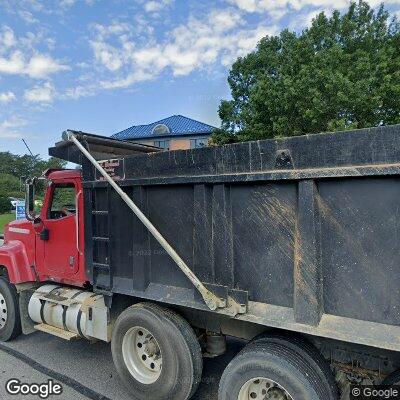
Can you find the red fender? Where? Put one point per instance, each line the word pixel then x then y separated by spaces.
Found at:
pixel 14 258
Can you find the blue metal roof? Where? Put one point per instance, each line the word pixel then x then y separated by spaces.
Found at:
pixel 177 124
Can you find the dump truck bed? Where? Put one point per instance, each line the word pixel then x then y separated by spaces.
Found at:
pixel 302 232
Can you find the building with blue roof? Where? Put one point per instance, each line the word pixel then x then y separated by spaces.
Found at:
pixel 172 133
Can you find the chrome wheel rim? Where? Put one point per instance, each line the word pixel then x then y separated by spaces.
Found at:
pixel 142 355
pixel 3 311
pixel 263 389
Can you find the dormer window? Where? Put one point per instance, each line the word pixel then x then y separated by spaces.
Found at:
pixel 161 129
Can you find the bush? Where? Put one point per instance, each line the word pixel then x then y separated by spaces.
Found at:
pixel 5 205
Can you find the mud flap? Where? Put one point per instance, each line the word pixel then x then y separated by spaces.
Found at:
pixel 27 325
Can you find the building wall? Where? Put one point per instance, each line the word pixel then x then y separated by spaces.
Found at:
pixel 179 143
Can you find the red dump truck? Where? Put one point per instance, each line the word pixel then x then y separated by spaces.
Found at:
pixel 291 244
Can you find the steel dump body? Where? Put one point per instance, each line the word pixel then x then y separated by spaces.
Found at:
pixel 302 232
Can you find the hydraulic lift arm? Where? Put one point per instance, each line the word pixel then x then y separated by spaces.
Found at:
pixel 213 302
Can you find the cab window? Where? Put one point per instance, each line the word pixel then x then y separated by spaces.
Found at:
pixel 63 201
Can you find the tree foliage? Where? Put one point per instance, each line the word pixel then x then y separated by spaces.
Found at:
pixel 15 169
pixel 10 186
pixel 5 205
pixel 27 166
pixel 342 72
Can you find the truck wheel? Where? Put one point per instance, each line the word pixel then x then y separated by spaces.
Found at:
pixel 306 350
pixel 273 371
pixel 156 353
pixel 10 322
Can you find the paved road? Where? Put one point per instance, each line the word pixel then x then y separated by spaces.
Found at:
pixel 85 370
pixel 9 366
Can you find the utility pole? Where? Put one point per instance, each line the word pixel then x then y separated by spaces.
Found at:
pixel 33 160
pixel 28 148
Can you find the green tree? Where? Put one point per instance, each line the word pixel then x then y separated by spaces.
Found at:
pixel 14 169
pixel 26 165
pixel 9 183
pixel 5 205
pixel 10 186
pixel 342 72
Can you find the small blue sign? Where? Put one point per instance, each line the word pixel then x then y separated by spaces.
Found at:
pixel 20 210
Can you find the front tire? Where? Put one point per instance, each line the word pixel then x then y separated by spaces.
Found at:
pixel 156 353
pixel 10 321
pixel 270 369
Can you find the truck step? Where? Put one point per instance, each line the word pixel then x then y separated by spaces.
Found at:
pixel 52 330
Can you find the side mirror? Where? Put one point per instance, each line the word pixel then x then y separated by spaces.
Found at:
pixel 30 199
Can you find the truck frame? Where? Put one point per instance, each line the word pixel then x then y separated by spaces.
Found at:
pixel 291 244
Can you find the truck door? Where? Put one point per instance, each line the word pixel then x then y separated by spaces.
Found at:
pixel 61 256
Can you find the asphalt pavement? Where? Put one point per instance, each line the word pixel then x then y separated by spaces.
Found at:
pixel 85 370
pixel 10 367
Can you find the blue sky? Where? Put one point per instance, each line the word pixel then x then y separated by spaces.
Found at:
pixel 102 66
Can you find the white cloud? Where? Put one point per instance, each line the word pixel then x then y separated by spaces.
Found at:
pixel 246 5
pixel 107 55
pixel 286 5
pixel 18 56
pixel 220 36
pixel 7 97
pixel 67 3
pixel 10 128
pixel 70 3
pixel 14 64
pixel 7 38
pixel 135 77
pixel 224 20
pixel 80 91
pixel 156 5
pixel 40 94
pixel 278 8
pixel 27 16
pixel 38 66
pixel 41 66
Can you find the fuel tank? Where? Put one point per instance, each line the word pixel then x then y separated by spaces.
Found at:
pixel 73 310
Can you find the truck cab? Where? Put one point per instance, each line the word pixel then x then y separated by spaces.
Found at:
pixel 48 245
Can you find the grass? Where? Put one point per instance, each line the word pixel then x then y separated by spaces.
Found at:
pixel 5 219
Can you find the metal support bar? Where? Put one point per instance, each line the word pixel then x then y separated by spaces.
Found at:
pixel 308 293
pixel 213 302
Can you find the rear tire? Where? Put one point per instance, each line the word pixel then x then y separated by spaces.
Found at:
pixel 156 353
pixel 10 321
pixel 306 350
pixel 262 367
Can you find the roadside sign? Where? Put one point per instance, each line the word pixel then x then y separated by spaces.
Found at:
pixel 20 210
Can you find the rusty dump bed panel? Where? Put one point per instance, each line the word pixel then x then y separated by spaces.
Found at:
pixel 304 232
